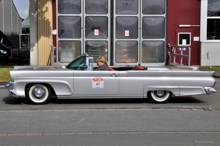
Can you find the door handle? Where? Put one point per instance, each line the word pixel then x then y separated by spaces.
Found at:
pixel 114 75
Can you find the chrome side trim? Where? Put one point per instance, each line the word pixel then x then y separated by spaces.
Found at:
pixel 209 90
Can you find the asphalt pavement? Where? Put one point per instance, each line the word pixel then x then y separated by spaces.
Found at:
pixel 102 139
pixel 191 120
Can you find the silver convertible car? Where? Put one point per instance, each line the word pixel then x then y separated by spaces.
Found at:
pixel 79 80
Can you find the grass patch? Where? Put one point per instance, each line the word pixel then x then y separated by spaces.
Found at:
pixel 4 73
pixel 216 68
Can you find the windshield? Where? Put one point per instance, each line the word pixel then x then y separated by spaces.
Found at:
pixel 78 63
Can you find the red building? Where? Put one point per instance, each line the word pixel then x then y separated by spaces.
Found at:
pixel 183 22
pixel 128 32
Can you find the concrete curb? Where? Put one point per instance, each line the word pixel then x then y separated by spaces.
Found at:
pixel 3 83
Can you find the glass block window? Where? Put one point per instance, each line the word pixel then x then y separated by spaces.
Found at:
pixel 68 50
pixel 69 27
pixel 153 7
pixel 127 6
pixel 69 6
pixel 126 27
pixel 96 49
pixel 96 27
pixel 96 6
pixel 153 27
pixel 152 51
pixel 126 52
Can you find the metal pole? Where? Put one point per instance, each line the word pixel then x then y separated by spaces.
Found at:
pixel 53 48
pixel 170 50
pixel 210 63
pixel 174 55
pixel 181 57
pixel 169 53
pixel 189 56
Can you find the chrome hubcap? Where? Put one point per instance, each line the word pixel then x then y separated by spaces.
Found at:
pixel 160 92
pixel 39 92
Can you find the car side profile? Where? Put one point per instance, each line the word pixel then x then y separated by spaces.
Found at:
pixel 78 80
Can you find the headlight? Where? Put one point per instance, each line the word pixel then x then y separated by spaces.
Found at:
pixel 3 51
pixel 9 85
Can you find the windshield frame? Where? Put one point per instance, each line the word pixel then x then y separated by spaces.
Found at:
pixel 78 63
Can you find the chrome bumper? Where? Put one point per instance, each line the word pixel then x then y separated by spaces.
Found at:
pixel 12 92
pixel 10 87
pixel 209 90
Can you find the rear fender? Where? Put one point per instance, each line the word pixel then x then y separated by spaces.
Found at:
pixel 175 89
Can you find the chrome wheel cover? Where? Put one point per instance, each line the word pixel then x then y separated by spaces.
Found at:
pixel 38 93
pixel 160 95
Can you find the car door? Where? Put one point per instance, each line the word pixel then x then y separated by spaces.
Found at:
pixel 92 83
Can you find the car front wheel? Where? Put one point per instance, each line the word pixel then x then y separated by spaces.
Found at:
pixel 160 96
pixel 38 94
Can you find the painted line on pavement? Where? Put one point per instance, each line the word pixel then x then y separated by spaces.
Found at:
pixel 116 109
pixel 2 86
pixel 111 133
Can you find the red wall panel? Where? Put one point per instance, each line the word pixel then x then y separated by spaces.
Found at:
pixel 184 12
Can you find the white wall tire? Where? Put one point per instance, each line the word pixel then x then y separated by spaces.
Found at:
pixel 160 96
pixel 38 94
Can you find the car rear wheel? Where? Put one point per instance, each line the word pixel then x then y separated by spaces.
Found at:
pixel 38 94
pixel 160 96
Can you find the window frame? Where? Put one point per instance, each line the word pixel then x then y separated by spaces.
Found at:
pixel 190 38
pixel 204 22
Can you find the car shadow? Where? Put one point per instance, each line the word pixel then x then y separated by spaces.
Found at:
pixel 13 100
pixel 18 101
pixel 123 101
pixel 186 99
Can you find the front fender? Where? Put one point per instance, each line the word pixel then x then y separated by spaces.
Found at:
pixel 60 87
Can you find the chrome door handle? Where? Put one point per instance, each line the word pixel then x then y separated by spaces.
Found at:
pixel 113 75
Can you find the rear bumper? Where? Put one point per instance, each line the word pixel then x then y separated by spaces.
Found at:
pixel 210 90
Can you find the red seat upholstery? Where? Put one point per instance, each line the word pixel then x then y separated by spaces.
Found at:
pixel 110 69
pixel 138 67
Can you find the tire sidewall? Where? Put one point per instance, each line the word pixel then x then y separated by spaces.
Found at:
pixel 34 100
pixel 157 99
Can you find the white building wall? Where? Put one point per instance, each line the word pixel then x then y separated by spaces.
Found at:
pixel 212 46
pixel 214 49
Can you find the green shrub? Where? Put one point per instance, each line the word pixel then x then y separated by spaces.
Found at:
pixel 4 73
